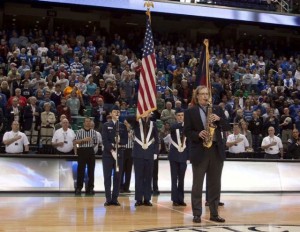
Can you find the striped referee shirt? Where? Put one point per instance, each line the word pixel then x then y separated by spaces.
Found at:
pixel 130 139
pixel 82 133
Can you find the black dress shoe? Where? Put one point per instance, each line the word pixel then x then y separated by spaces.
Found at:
pixel 138 203
pixel 217 219
pixel 116 203
pixel 182 203
pixel 107 203
pixel 90 193
pixel 175 203
pixel 77 192
pixel 127 191
pixel 197 219
pixel 156 193
pixel 147 203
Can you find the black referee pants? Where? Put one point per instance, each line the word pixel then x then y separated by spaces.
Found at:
pixel 86 158
pixel 127 169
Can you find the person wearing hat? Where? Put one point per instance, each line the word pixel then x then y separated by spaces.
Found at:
pixel 178 157
pixel 114 139
pixel 145 151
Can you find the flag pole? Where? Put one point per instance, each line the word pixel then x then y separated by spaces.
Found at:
pixel 208 83
pixel 147 81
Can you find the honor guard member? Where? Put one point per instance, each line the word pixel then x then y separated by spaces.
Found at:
pixel 63 138
pixel 145 150
pixel 15 141
pixel 294 145
pixel 115 137
pixel 85 141
pixel 178 157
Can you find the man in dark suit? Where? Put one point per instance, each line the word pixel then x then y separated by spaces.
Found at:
pixel 205 160
pixel 294 146
pixel 112 152
pixel 145 150
pixel 32 120
pixel 100 111
pixel 178 157
pixel 14 113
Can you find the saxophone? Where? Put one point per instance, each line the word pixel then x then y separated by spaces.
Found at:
pixel 209 127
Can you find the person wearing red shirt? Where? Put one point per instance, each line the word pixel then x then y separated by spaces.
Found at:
pixel 22 99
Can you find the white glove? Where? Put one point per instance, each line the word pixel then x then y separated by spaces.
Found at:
pixel 155 156
pixel 114 154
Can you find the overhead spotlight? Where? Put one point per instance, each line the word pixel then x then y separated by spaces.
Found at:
pixel 37 21
pixel 14 20
pixel 245 33
pixel 90 21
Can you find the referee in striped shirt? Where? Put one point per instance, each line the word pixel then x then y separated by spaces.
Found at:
pixel 127 161
pixel 85 141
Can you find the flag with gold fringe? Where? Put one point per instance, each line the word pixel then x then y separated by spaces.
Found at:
pixel 147 86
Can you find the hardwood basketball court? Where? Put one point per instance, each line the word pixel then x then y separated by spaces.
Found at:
pixel 64 212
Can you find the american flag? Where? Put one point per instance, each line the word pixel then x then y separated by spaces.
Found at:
pixel 147 87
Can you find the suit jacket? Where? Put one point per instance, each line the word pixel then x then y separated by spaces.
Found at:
pixel 109 135
pixel 10 115
pixel 96 114
pixel 193 126
pixel 48 119
pixel 28 117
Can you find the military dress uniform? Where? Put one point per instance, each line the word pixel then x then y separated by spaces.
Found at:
pixel 109 131
pixel 146 145
pixel 178 157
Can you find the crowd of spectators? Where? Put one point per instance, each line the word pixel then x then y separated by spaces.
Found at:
pixel 64 74
pixel 264 5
